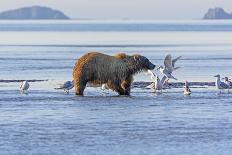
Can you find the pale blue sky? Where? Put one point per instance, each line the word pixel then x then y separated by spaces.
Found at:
pixel 132 9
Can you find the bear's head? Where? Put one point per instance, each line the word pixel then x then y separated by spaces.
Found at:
pixel 142 62
pixel 136 62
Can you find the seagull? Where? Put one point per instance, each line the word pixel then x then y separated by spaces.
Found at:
pixel 24 86
pixel 164 81
pixel 66 86
pixel 167 73
pixel 157 84
pixel 187 90
pixel 228 82
pixel 170 64
pixel 169 67
pixel 220 84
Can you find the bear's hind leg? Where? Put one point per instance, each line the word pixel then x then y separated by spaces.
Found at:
pixel 126 86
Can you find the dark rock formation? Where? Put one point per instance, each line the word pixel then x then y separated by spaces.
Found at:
pixel 217 13
pixel 34 12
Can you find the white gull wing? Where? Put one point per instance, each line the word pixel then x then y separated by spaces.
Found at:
pixel 168 74
pixel 153 76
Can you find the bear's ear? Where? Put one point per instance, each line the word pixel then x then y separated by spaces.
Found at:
pixel 136 57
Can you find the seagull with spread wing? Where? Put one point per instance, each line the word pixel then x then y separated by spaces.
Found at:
pixel 169 67
pixel 166 72
pixel 170 64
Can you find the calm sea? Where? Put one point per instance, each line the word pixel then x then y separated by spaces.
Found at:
pixel 47 121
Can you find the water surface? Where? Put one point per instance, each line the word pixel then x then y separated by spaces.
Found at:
pixel 47 121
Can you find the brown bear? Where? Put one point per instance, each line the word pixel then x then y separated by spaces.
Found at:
pixel 117 71
pixel 97 83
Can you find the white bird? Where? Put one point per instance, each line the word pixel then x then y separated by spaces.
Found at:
pixel 164 81
pixel 24 86
pixel 187 90
pixel 167 73
pixel 169 67
pixel 68 85
pixel 157 84
pixel 228 82
pixel 170 64
pixel 220 84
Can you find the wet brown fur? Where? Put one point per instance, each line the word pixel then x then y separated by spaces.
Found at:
pixel 97 68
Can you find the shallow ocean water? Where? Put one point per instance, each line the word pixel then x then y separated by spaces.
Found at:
pixel 52 122
pixel 47 121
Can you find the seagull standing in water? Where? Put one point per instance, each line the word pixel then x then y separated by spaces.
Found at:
pixel 68 85
pixel 24 86
pixel 228 82
pixel 187 90
pixel 220 84
pixel 157 84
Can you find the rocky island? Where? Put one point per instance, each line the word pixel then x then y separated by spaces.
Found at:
pixel 217 13
pixel 33 13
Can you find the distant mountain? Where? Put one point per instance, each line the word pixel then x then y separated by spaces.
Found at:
pixel 34 12
pixel 217 13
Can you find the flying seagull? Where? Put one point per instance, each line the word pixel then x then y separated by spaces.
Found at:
pixel 169 67
pixel 166 73
pixel 170 64
pixel 24 86
pixel 66 86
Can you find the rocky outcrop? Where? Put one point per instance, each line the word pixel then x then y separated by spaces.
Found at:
pixel 34 12
pixel 217 13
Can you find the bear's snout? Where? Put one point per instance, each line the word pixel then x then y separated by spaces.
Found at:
pixel 151 66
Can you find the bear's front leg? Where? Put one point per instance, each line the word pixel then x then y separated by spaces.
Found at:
pixel 79 87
